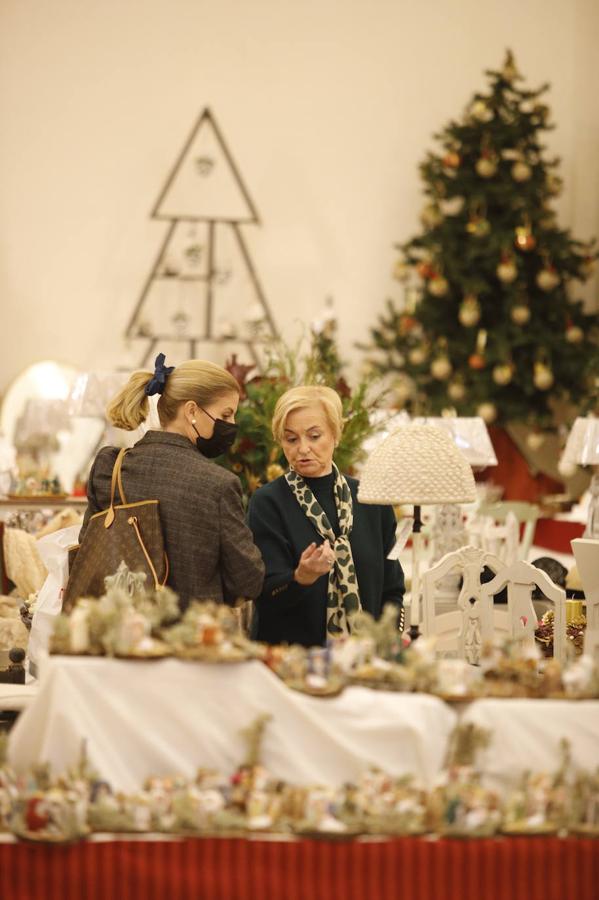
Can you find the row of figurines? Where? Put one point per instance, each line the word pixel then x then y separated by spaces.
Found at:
pixel 122 623
pixel 43 808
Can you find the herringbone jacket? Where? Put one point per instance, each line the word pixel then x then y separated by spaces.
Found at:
pixel 210 548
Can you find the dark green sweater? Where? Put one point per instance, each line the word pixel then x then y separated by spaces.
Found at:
pixel 287 612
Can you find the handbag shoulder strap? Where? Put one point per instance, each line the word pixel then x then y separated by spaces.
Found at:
pixel 116 481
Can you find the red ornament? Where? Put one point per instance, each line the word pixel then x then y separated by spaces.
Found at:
pixel 451 160
pixel 425 270
pixel 477 361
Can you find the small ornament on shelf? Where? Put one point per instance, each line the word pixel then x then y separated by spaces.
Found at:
pixel 540 804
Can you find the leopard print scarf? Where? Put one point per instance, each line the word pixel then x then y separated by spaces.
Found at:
pixel 343 597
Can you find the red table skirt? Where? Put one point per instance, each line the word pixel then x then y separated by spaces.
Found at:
pixel 556 534
pixel 235 869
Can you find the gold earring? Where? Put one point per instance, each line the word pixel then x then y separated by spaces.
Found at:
pixel 193 421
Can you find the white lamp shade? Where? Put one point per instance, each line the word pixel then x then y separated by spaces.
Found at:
pixel 93 391
pixel 582 446
pixel 469 434
pixel 417 464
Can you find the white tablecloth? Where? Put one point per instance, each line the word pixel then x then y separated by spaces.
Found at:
pixel 525 734
pixel 168 717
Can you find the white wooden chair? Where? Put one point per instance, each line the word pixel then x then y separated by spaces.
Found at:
pixel 519 619
pixel 525 513
pixel 502 539
pixel 463 630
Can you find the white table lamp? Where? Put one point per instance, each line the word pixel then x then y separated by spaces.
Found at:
pixel 582 448
pixel 417 464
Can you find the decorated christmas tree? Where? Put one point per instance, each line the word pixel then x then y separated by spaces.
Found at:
pixel 491 321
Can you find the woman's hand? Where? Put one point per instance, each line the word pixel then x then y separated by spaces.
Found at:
pixel 315 561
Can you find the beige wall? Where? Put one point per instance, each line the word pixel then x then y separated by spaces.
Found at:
pixel 327 106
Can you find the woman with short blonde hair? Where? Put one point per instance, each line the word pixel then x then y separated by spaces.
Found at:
pixel 209 547
pixel 325 553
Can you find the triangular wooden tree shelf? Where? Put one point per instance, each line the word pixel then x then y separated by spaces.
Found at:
pixel 202 288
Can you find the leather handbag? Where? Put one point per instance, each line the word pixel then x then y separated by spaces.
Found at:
pixel 129 532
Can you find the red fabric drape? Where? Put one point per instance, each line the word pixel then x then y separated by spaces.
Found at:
pixel 513 473
pixel 235 869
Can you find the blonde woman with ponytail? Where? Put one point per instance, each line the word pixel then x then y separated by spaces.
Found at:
pixel 210 548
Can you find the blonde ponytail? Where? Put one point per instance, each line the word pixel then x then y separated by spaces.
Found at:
pixel 195 379
pixel 130 407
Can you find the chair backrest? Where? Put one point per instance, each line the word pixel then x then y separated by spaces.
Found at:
pixel 525 513
pixel 520 619
pixel 502 540
pixel 465 629
pixel 586 553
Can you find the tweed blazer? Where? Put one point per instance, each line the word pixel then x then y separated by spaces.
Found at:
pixel 210 549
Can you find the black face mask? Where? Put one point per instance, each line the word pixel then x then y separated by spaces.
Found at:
pixel 223 437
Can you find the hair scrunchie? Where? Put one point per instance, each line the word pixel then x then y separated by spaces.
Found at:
pixel 158 381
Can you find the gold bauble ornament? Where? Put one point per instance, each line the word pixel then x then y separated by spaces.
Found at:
pixel 535 440
pixel 587 267
pixel 554 184
pixel 521 171
pixel 507 271
pixel 478 226
pixel 486 167
pixel 547 279
pixel 469 313
pixel 520 314
pixel 502 374
pixel 487 412
pixel 401 270
pixel 431 216
pixel 417 356
pixel 274 470
pixel 441 368
pixel 525 239
pixel 481 111
pixel 438 286
pixel 574 334
pixel 543 376
pixel 456 390
pixel 451 160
